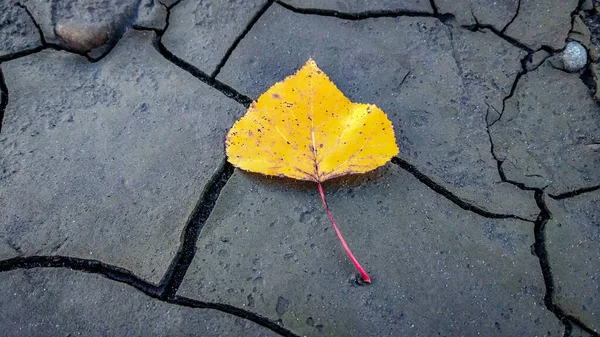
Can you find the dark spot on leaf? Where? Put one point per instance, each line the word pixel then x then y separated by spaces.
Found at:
pixel 321 145
pixel 276 96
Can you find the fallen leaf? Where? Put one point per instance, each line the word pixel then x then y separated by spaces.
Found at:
pixel 305 128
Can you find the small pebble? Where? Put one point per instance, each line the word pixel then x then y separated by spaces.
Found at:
pixel 574 56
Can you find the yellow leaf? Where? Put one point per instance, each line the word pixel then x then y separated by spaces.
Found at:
pixel 305 128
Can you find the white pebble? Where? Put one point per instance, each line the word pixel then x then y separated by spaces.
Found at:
pixel 574 56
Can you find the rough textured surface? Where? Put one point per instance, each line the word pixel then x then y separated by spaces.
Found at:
pixel 357 6
pixel 548 134
pixel 200 32
pixel 573 245
pixel 543 23
pixel 61 302
pixel 436 93
pixel 117 157
pixel 92 27
pixel 427 258
pixel 151 14
pixel 17 30
pixel 106 160
pixel 497 14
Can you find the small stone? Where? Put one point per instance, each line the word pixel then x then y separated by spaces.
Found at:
pixel 83 38
pixel 574 56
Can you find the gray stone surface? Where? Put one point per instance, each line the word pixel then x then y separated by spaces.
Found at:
pixel 579 332
pixel 62 302
pixel 497 14
pixel 434 84
pixel 92 27
pixel 580 32
pixel 106 160
pixel 17 30
pixel 200 32
pixel 573 245
pixel 151 14
pixel 437 270
pixel 357 6
pixel 549 131
pixel 543 23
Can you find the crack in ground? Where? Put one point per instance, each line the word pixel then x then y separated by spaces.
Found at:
pixel 3 97
pixel 125 276
pixel 403 164
pixel 45 44
pixel 539 248
pixel 202 76
pixel 503 30
pixel 237 41
pixel 524 70
pixel 573 193
pixel 191 69
pixel 480 27
pixel 434 7
pixel 366 14
pixel 187 250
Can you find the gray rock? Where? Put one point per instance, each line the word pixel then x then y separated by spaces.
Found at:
pixel 574 57
pixel 92 27
pixel 357 6
pixel 86 25
pixel 547 133
pixel 151 15
pixel 436 269
pixel 62 302
pixel 497 14
pixel 580 32
pixel 200 32
pixel 587 5
pixel 543 23
pixel 434 84
pixel 573 246
pixel 106 160
pixel 537 59
pixel 17 31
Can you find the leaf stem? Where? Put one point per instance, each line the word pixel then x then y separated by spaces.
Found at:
pixel 360 269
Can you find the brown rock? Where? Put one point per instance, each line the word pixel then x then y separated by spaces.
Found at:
pixel 83 38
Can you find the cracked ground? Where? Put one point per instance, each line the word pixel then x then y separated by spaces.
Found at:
pixel 119 214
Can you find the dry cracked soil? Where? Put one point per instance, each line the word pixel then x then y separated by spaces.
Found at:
pixel 115 192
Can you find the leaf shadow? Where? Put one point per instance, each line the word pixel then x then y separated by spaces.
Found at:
pixel 330 186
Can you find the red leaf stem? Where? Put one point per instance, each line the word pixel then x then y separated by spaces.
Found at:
pixel 362 272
